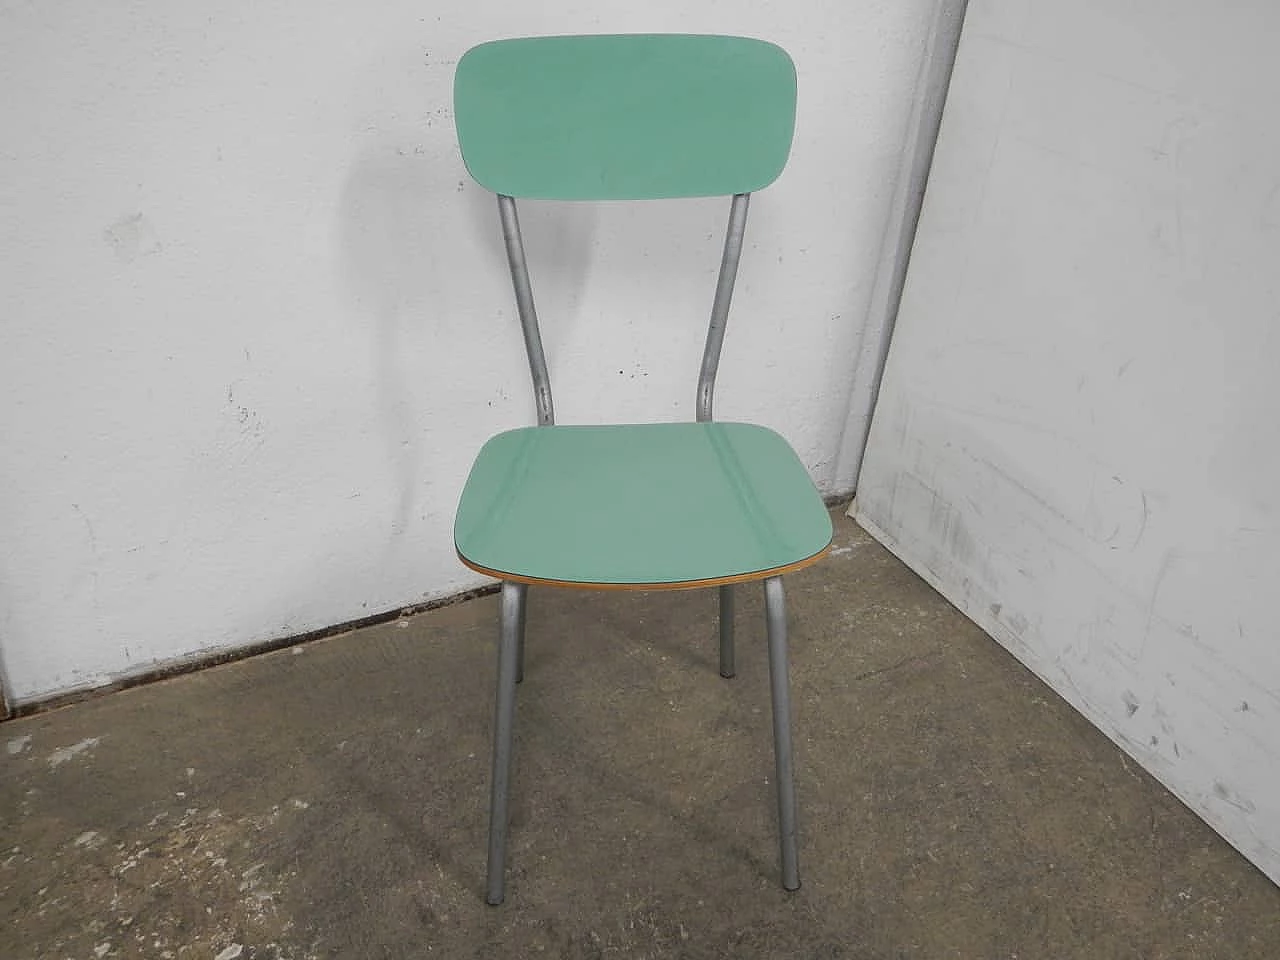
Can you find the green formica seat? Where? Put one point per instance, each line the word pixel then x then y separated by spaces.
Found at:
pixel 655 506
pixel 640 505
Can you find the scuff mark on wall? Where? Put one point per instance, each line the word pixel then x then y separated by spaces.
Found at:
pixel 1227 795
pixel 131 237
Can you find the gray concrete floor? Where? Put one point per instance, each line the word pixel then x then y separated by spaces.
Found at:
pixel 330 800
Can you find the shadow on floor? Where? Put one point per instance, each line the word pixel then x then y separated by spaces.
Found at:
pixel 330 800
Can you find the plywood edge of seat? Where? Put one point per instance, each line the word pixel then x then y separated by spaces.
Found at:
pixel 662 585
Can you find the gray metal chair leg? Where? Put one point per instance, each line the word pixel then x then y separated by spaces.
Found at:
pixel 509 642
pixel 524 607
pixel 727 668
pixel 776 613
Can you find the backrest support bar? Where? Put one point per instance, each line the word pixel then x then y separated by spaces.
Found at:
pixel 529 315
pixel 720 305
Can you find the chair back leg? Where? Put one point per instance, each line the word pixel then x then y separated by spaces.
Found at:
pixel 524 610
pixel 727 668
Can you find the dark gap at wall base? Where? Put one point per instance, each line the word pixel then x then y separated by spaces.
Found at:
pixel 56 701
pixel 231 656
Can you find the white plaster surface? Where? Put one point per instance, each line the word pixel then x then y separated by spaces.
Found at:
pixel 1076 439
pixel 257 322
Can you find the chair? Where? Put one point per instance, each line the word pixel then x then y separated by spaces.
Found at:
pixel 709 504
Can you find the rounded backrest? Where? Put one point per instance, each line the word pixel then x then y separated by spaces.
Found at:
pixel 625 117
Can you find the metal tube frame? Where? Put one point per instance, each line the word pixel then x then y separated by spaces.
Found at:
pixel 775 604
pixel 511 624
pixel 524 611
pixel 514 595
pixel 720 305
pixel 727 666
pixel 514 242
pixel 524 306
pixel 729 259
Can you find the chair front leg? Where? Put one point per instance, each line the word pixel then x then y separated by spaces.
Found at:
pixel 509 643
pixel 779 687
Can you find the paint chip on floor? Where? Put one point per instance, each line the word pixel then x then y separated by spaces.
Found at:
pixel 63 754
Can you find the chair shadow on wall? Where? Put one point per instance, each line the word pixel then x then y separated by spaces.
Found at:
pixel 401 212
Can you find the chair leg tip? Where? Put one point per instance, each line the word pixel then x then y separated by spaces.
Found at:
pixel 789 888
pixel 730 675
pixel 494 902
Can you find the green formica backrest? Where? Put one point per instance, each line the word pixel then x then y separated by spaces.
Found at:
pixel 631 117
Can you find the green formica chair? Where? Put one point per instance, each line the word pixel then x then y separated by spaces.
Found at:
pixel 659 506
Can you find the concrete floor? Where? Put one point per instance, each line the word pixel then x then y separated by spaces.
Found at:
pixel 330 800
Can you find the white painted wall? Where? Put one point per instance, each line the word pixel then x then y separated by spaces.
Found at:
pixel 257 322
pixel 1076 440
